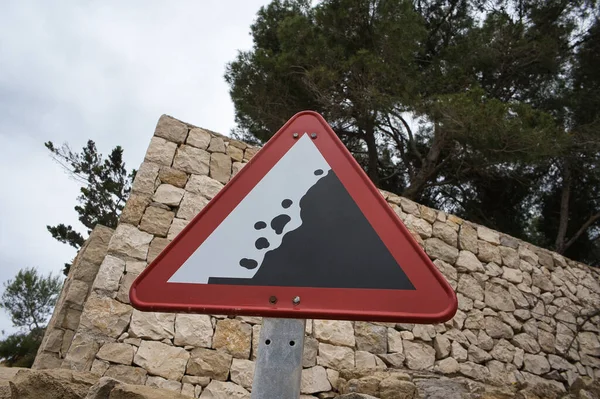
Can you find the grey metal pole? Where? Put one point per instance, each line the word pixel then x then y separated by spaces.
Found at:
pixel 279 363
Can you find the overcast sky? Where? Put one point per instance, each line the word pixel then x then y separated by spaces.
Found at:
pixel 104 70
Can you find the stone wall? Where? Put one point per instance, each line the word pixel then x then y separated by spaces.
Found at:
pixel 524 313
pixel 75 291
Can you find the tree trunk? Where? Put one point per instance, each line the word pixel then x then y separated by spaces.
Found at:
pixel 373 170
pixel 428 169
pixel 563 221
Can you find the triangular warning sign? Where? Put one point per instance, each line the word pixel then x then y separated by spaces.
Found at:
pixel 299 232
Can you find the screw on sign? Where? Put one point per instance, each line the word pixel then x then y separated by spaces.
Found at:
pixel 313 238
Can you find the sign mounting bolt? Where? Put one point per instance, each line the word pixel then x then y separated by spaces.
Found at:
pixel 273 299
pixel 296 300
pixel 313 135
pixel 295 135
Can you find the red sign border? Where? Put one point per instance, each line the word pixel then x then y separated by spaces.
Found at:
pixel 432 301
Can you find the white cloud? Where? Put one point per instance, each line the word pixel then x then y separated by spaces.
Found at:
pixel 106 71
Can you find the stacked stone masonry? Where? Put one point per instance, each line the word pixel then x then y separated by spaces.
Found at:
pixel 524 313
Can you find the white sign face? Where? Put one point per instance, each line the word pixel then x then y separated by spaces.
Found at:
pixel 237 247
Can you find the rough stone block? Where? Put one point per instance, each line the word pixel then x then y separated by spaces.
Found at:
pixel 156 221
pixel 116 352
pixel 203 185
pixel 199 138
pixel 192 160
pixel 109 274
pixel 172 176
pixel 152 325
pixel 191 205
pixel 168 194
pixel 127 374
pixel 171 129
pixel 134 208
pixel 130 241
pixel 220 167
pixel 160 151
pixel 234 337
pixel 209 363
pixel 335 332
pixel 162 360
pixel 194 330
pixel 146 179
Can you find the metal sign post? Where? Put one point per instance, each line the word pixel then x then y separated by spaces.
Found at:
pixel 278 369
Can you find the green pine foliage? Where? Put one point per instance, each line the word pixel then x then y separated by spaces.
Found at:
pixel 485 109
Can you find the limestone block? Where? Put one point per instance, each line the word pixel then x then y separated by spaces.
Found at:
pixel 176 226
pixel 470 287
pixel 589 343
pixel 53 340
pixel 475 320
pixel 194 330
pixel 393 388
pixel 168 194
pixel 192 160
pixel 419 356
pixel 458 352
pixel 497 297
pixel 468 262
pixel 152 325
pixel 249 153
pixel 526 342
pixel 109 274
pixel 518 297
pixel 146 179
pixel 335 332
pixel 203 185
pixel 81 353
pixel 156 247
pixel 497 329
pixel 236 154
pixel 546 341
pixel 336 357
pixel 478 355
pixel 99 367
pixel 493 270
pixel 448 365
pixel 474 371
pixel 364 360
pixel 125 286
pixel 209 363
pixel 559 363
pixel 418 225
pixel 467 239
pixel 445 232
pixel 191 205
pixel 160 151
pixel 116 352
pixel 77 293
pixel 220 167
pixel 134 208
pixel 105 316
pixel 256 338
pixel 171 129
pixel 71 319
pixel 216 144
pixel 485 234
pixel 528 255
pixel 130 241
pixel 542 281
pixel 488 252
pixel 536 364
pixel 172 176
pixel 127 374
pixel 309 354
pixel 446 269
pixel 242 372
pixel 370 337
pixel 393 360
pixel 157 221
pixel 485 341
pixel 314 380
pixel 510 257
pixel 512 275
pixel 394 339
pixel 426 332
pixel 234 337
pixel 442 346
pixel 162 360
pixel 438 249
pixel 195 380
pixel 199 138
pixel 236 167
pixel 162 383
pixel 224 390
